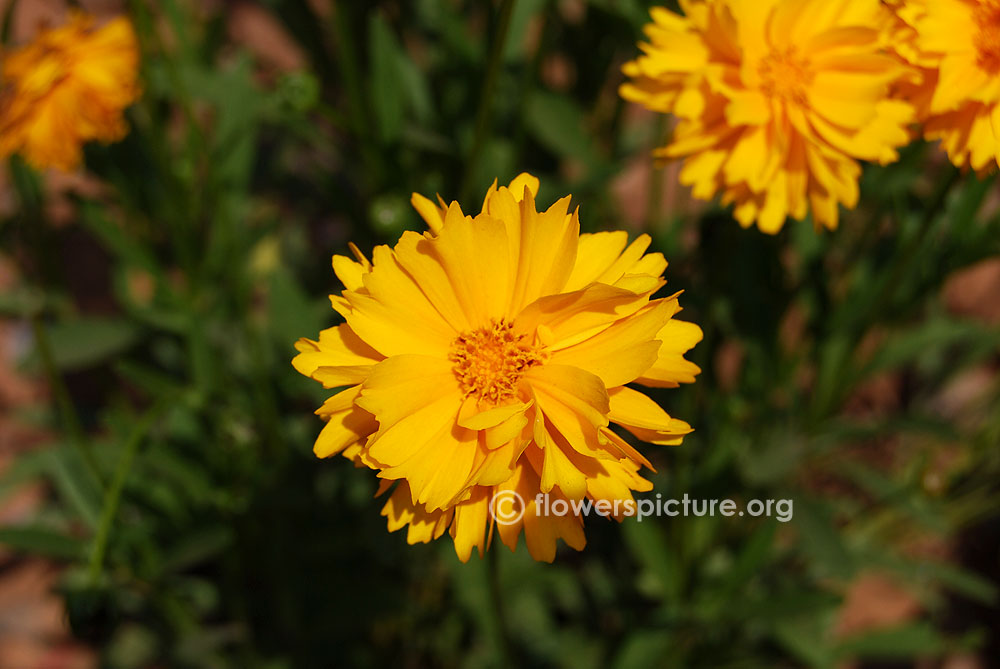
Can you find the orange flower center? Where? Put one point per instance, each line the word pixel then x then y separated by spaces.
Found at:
pixel 489 362
pixel 786 75
pixel 987 37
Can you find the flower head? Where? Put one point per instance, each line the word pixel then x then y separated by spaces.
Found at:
pixel 66 88
pixel 492 354
pixel 776 101
pixel 955 46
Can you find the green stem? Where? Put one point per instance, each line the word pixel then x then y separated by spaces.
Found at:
pixel 351 73
pixel 846 334
pixel 486 98
pixel 502 631
pixel 654 201
pixel 64 404
pixel 183 218
pixel 112 496
pixel 532 75
pixel 910 252
pixel 8 23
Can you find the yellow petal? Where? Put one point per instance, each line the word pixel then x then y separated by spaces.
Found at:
pixel 469 526
pixel 437 457
pixel 430 212
pixel 568 315
pixel 670 368
pixel 547 251
pixel 395 316
pixel 346 424
pixel 474 419
pixel 419 257
pixel 339 357
pixel 623 352
pixel 475 256
pixel 595 254
pixel 399 386
pixel 644 418
pixel 521 182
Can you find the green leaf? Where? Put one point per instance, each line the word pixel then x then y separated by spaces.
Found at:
pixel 21 301
pixel 116 240
pixel 649 547
pixel 239 104
pixel 525 11
pixel 387 79
pixel 40 541
pixel 293 314
pixel 820 541
pixel 26 467
pixel 752 558
pixel 74 483
pixel 632 11
pixel 643 650
pixel 86 342
pixel 558 124
pixel 196 547
pixel 773 607
pixel 804 637
pixel 28 186
pixel 962 581
pixel 911 641
pixel 416 88
pixel 910 345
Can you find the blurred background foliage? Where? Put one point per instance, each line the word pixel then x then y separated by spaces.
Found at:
pixel 853 372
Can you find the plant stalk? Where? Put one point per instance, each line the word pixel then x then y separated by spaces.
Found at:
pixel 64 403
pixel 486 98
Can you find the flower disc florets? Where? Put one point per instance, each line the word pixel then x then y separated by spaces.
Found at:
pixel 489 362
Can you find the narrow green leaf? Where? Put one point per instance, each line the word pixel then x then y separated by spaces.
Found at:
pixel 387 79
pixel 558 123
pixel 649 547
pixel 84 343
pixel 40 541
pixel 74 483
pixel 911 641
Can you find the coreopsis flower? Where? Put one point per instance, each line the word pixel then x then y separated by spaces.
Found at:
pixel 491 355
pixel 68 87
pixel 955 47
pixel 776 101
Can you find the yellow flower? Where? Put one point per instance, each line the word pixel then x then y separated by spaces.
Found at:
pixel 68 87
pixel 491 354
pixel 776 101
pixel 955 44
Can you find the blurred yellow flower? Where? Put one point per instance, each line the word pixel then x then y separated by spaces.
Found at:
pixel 955 45
pixel 491 354
pixel 776 101
pixel 68 87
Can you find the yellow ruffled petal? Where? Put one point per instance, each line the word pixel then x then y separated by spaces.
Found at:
pixel 393 315
pixel 547 250
pixel 339 358
pixel 469 526
pixel 644 418
pixel 626 350
pixel 670 369
pixel 346 424
pixel 521 182
pixel 432 214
